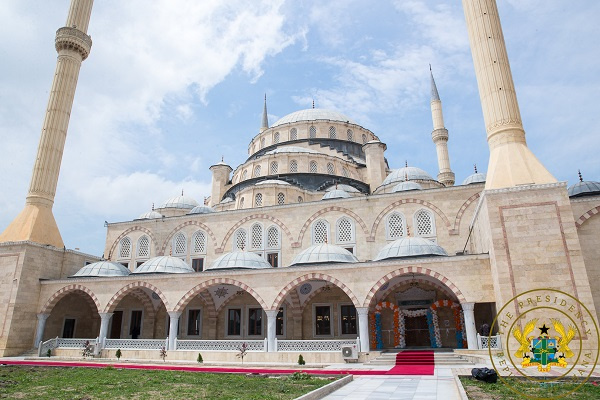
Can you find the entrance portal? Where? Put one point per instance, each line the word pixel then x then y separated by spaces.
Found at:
pixel 417 332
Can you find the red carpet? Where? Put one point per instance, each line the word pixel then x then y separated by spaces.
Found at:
pixel 413 363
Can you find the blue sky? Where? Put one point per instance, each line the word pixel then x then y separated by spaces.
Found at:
pixel 173 85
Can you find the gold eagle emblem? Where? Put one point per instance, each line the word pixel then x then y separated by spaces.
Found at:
pixel 565 337
pixel 522 338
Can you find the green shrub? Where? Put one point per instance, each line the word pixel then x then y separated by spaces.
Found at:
pixel 118 354
pixel 299 376
pixel 200 360
pixel 49 353
pixel 301 360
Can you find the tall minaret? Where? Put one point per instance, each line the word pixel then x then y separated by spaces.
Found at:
pixel 265 119
pixel 440 136
pixel 36 222
pixel 511 161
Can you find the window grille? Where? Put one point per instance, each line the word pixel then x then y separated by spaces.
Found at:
pixel 179 244
pixel 350 134
pixel 273 238
pixel 330 169
pixel 364 138
pixel 199 242
pixel 258 200
pixel 257 171
pixel 424 223
pixel 313 167
pixel 345 172
pixel 320 232
pixel 345 231
pixel 293 134
pixel 332 132
pixel 312 132
pixel 395 226
pixel 294 166
pixel 125 248
pixel 276 137
pixel 257 237
pixel 144 247
pixel 240 240
pixel 274 168
pixel 281 199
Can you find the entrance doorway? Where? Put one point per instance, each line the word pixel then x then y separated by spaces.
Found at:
pixel 115 328
pixel 68 328
pixel 417 332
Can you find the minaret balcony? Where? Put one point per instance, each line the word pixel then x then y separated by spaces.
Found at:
pixel 73 39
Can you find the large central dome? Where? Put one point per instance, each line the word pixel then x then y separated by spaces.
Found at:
pixel 313 114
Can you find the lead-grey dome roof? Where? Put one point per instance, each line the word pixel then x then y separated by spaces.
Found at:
pixel 477 177
pixel 163 265
pixel 407 174
pixel 292 149
pixel 273 182
pixel 239 259
pixel 150 215
pixel 336 194
pixel 584 188
pixel 346 188
pixel 410 247
pixel 101 269
pixel 406 186
pixel 324 253
pixel 202 210
pixel 184 202
pixel 312 114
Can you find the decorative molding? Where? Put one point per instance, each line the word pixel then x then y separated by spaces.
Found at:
pixel 57 296
pixel 587 215
pixel 314 276
pixel 181 304
pixel 124 291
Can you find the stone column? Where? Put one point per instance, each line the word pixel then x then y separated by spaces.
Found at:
pixel 363 328
pixel 104 321
pixel 41 325
pixel 271 329
pixel 173 324
pixel 468 310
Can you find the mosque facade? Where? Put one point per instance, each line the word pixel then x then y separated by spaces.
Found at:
pixel 311 244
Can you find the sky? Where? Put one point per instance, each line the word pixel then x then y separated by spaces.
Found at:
pixel 171 86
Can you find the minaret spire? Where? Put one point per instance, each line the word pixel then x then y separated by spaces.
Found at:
pixel 440 136
pixel 265 119
pixel 36 222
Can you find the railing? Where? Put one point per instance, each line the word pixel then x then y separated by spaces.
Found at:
pixel 136 344
pixel 314 345
pixel 73 343
pixel 50 344
pixel 489 342
pixel 221 345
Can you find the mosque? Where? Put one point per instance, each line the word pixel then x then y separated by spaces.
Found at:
pixel 312 244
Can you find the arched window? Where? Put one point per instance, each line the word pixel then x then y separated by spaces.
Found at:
pixel 143 247
pixel 332 132
pixel 345 172
pixel 345 230
pixel 125 248
pixel 179 244
pixel 293 134
pixel 257 171
pixel 242 202
pixel 350 134
pixel 312 132
pixel 241 239
pixel 395 226
pixel 425 223
pixel 300 200
pixel 320 232
pixel 257 237
pixel 280 199
pixel 330 169
pixel 293 166
pixel 258 200
pixel 245 174
pixel 276 137
pixel 313 167
pixel 364 138
pixel 262 143
pixel 274 167
pixel 199 243
pixel 273 253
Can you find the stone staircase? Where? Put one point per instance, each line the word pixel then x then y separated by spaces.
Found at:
pixel 30 353
pixel 441 357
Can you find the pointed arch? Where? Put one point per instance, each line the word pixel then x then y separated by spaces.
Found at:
pixel 127 232
pixel 587 215
pixel 314 276
pixel 88 295
pixel 252 217
pixel 180 227
pixel 217 281
pixel 146 302
pixel 316 215
pixel 124 291
pixel 461 211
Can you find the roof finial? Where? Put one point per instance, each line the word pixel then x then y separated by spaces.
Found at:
pixel 406 163
pixel 475 166
pixel 265 119
pixel 313 103
pixel 152 206
pixel 222 158
pixel 407 230
pixel 182 192
pixel 580 177
pixel 435 96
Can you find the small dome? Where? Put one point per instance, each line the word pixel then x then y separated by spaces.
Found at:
pixel 150 215
pixel 292 149
pixel 336 194
pixel 184 202
pixel 406 186
pixel 239 259
pixel 410 247
pixel 477 177
pixel 163 265
pixel 272 182
pixel 202 210
pixel 346 188
pixel 324 253
pixel 407 174
pixel 101 269
pixel 313 114
pixel 226 200
pixel 584 188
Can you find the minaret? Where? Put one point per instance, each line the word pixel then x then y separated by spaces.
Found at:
pixel 511 161
pixel 265 119
pixel 36 222
pixel 440 136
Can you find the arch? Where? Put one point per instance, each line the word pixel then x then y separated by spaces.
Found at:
pixel 253 217
pixel 345 234
pixel 313 276
pixel 179 247
pixel 321 232
pixel 395 229
pixel 587 215
pixel 316 215
pixel 145 300
pixel 424 223
pixel 437 285
pixel 124 291
pixel 66 290
pixel 143 247
pixel 217 281
pixel 415 270
pixel 125 246
pixel 181 226
pixel 127 232
pixel 461 212
pixel 407 201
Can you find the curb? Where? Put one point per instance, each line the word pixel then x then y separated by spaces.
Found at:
pixel 459 386
pixel 321 392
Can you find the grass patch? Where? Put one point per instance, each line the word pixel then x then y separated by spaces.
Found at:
pixel 477 390
pixel 113 383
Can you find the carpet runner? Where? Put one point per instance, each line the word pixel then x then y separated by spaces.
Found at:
pixel 413 363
